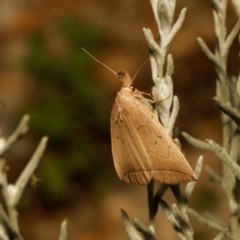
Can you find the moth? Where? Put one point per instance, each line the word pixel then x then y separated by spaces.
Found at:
pixel 141 148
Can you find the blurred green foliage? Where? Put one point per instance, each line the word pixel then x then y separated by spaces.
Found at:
pixel 67 106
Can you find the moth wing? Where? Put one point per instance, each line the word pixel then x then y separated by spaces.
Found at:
pixel 141 148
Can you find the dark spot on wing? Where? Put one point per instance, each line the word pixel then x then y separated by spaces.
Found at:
pixel 141 126
pixel 125 112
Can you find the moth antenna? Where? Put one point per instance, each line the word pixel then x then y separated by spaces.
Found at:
pixel 140 68
pixel 99 61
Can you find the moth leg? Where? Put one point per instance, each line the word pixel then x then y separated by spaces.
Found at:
pixel 139 94
pixel 150 95
pixel 143 99
pixel 147 94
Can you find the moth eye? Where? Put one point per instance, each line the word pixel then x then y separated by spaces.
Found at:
pixel 132 87
pixel 120 74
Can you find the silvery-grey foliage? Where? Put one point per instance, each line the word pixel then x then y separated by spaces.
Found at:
pixel 12 192
pixel 227 99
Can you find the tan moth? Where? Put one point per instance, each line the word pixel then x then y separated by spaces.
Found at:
pixel 141 148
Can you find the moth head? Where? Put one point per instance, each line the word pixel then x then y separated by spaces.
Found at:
pixel 126 79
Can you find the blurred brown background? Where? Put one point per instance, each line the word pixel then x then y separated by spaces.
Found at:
pixel 44 73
